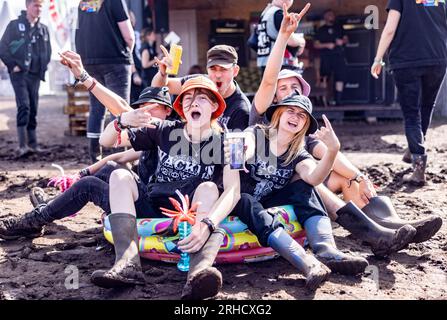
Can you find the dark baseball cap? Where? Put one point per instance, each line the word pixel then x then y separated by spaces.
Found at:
pixel 299 101
pixel 221 55
pixel 153 94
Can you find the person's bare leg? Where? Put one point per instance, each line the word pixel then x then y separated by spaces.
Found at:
pixel 204 281
pixel 123 192
pixel 331 201
pixel 337 183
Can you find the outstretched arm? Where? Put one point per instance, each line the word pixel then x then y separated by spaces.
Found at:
pixel 120 157
pixel 113 102
pixel 266 92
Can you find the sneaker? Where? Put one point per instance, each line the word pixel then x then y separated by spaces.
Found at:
pixel 37 196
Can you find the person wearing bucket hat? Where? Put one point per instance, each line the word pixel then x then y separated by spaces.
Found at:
pixel 222 68
pixel 345 178
pixel 355 190
pixel 189 161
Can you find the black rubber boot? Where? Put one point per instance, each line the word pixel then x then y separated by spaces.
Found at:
pixel 30 225
pixel 127 268
pixel 94 150
pixel 383 241
pixel 314 271
pixel 32 141
pixel 204 281
pixel 320 237
pixel 23 149
pixel 381 210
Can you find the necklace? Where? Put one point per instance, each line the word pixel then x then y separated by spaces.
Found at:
pixel 196 153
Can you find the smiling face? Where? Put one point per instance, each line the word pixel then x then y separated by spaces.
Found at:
pixel 198 106
pixel 285 87
pixel 223 78
pixel 292 119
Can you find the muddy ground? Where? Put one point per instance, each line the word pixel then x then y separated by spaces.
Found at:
pixel 37 269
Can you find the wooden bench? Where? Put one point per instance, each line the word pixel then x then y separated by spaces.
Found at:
pixel 77 109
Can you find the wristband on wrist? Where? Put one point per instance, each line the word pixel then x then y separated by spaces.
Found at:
pixel 94 82
pixel 120 124
pixel 83 77
pixel 209 223
pixel 359 177
pixel 84 172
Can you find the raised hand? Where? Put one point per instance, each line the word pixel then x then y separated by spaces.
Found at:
pixel 291 20
pixel 73 61
pixel 165 62
pixel 327 135
pixel 139 118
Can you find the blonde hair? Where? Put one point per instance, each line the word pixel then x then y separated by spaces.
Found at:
pixel 297 142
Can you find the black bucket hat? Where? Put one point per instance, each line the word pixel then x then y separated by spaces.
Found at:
pixel 299 101
pixel 153 94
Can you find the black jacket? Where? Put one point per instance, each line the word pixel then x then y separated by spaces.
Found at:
pixel 16 47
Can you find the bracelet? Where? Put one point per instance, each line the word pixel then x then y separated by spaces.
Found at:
pixel 381 62
pixel 118 131
pixel 84 172
pixel 120 125
pixel 83 77
pixel 93 84
pixel 209 223
pixel 359 177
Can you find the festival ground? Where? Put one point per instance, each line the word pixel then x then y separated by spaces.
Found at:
pixel 37 269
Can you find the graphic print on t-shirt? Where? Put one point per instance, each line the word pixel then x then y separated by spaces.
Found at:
pixel 181 167
pixel 430 3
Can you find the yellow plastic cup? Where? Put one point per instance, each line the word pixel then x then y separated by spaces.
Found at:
pixel 176 55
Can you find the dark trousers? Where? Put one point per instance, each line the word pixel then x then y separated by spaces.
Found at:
pixel 26 89
pixel 115 77
pixel 303 197
pixel 417 89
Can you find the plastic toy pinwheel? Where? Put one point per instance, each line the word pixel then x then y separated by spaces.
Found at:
pixel 184 218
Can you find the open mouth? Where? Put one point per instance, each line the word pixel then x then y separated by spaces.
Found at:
pixel 195 115
pixel 292 124
pixel 219 84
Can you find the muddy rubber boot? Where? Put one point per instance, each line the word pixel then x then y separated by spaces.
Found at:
pixel 314 271
pixel 204 281
pixel 23 149
pixel 94 150
pixel 381 210
pixel 30 225
pixel 127 269
pixel 320 237
pixel 383 241
pixel 407 156
pixel 37 196
pixel 32 141
pixel 417 178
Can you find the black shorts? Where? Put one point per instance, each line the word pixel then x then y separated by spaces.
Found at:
pixel 155 195
pixel 333 64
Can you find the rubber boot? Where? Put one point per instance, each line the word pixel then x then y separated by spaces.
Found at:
pixel 381 210
pixel 30 225
pixel 94 150
pixel 32 141
pixel 417 178
pixel 23 146
pixel 383 241
pixel 204 281
pixel 407 156
pixel 314 271
pixel 320 237
pixel 127 269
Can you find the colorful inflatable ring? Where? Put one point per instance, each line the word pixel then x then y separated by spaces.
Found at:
pixel 239 245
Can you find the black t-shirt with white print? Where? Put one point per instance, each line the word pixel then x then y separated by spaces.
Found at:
pixel 237 112
pixel 178 159
pixel 266 176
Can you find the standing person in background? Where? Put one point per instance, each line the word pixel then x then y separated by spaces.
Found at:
pixel 26 51
pixel 148 55
pixel 105 40
pixel 330 39
pixel 416 34
pixel 268 29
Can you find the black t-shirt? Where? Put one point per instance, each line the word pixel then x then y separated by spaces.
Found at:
pixel 421 35
pixel 264 175
pixel 237 112
pixel 150 49
pixel 177 158
pixel 326 34
pixel 98 37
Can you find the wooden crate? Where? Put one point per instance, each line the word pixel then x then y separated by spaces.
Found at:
pixel 77 109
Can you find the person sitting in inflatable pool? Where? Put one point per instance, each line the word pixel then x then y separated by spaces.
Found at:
pixel 189 160
pixel 277 85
